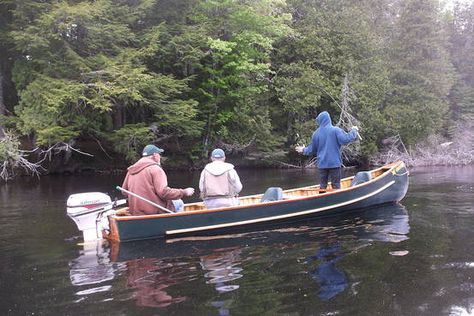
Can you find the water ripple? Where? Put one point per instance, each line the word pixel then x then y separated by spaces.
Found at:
pixel 94 290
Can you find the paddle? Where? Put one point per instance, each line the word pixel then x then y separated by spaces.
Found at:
pixel 143 199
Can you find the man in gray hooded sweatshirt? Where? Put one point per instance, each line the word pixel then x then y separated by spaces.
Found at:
pixel 219 183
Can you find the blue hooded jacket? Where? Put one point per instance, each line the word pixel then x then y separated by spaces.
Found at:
pixel 327 141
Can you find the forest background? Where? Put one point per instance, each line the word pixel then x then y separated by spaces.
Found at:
pixel 86 84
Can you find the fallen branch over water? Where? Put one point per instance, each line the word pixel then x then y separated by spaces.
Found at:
pixel 284 164
pixel 13 161
pixel 434 151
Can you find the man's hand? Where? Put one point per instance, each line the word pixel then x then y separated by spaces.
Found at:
pixel 299 149
pixel 357 130
pixel 188 191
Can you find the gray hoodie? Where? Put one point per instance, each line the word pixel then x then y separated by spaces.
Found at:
pixel 220 183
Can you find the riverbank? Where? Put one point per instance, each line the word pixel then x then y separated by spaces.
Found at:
pixel 435 150
pixel 91 158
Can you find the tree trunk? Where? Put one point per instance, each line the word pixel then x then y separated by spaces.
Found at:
pixel 118 116
pixel 2 103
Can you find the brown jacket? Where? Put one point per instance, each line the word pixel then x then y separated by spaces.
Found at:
pixel 147 179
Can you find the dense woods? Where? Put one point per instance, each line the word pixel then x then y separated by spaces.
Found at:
pixel 107 77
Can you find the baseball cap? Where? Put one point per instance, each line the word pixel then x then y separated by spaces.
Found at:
pixel 217 153
pixel 150 150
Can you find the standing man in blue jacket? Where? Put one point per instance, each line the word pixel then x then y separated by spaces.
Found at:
pixel 326 144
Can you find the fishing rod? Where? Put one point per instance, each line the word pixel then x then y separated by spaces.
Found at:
pixel 144 199
pixel 340 107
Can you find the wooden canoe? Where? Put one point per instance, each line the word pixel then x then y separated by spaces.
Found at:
pixel 383 185
pixel 386 223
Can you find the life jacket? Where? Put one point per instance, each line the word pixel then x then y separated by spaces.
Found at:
pixel 217 186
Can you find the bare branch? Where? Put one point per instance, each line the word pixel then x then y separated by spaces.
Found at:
pixel 16 159
pixel 347 120
pixel 236 147
pixel 433 151
pixel 100 145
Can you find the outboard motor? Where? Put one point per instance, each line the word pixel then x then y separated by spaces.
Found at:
pixel 89 211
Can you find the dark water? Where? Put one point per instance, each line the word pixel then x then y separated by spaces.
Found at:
pixel 415 258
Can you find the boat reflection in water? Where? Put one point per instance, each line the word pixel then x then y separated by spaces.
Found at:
pixel 223 267
pixel 160 273
pixel 93 267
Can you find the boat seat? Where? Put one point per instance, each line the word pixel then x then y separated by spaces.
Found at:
pixel 272 194
pixel 361 177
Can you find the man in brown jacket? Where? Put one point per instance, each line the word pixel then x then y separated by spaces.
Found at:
pixel 147 179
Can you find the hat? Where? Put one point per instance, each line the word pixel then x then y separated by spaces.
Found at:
pixel 218 153
pixel 150 150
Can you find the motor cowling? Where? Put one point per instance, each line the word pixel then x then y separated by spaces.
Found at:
pixel 87 210
pixel 84 202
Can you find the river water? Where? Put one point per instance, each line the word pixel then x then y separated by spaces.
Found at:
pixel 412 258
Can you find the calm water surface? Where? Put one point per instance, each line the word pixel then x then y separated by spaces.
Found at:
pixel 413 258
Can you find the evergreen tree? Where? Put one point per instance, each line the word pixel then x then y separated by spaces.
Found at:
pixel 335 39
pixel 421 74
pixel 7 57
pixel 462 54
pixel 83 73
pixel 234 73
pixel 249 76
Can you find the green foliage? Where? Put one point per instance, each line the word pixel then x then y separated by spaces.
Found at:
pixel 462 51
pixel 55 134
pixel 250 75
pixel 462 98
pixel 47 102
pixel 421 73
pixel 9 148
pixel 300 89
pixel 335 39
pixel 84 68
pixel 130 140
pixel 178 118
pixel 234 75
